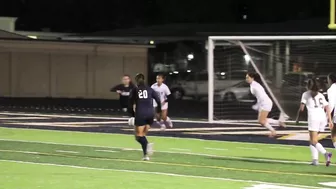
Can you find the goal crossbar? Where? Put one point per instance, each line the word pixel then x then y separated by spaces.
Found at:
pixel 279 37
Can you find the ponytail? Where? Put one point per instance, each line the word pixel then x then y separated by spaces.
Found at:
pixel 313 87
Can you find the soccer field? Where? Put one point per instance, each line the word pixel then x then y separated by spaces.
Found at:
pixel 60 159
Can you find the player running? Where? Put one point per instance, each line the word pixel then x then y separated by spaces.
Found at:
pixel 163 92
pixel 316 106
pixel 264 103
pixel 332 102
pixel 142 97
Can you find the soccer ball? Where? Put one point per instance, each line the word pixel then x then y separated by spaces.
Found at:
pixel 131 121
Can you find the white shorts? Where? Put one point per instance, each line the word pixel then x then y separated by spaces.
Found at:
pixel 164 107
pixel 317 125
pixel 265 106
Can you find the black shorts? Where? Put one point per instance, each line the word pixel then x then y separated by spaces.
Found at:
pixel 141 121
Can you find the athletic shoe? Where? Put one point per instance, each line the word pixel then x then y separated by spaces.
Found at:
pixel 162 127
pixel 314 162
pixel 145 158
pixel 328 156
pixel 150 149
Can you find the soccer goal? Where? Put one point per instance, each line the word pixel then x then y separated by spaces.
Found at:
pixel 285 64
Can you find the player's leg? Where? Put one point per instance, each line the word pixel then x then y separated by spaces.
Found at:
pixel 149 149
pixel 333 133
pixel 262 119
pixel 140 131
pixel 159 120
pixel 165 117
pixel 313 127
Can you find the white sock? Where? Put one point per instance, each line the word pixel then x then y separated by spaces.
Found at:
pixel 269 127
pixel 334 144
pixel 273 121
pixel 320 148
pixel 314 152
pixel 168 120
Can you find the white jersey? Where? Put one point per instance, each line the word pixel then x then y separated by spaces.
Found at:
pixel 259 92
pixel 162 90
pixel 332 99
pixel 315 106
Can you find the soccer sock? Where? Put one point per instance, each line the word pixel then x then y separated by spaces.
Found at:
pixel 143 141
pixel 334 144
pixel 273 121
pixel 269 127
pixel 320 148
pixel 314 152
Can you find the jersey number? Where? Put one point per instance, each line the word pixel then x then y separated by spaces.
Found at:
pixel 143 94
pixel 320 100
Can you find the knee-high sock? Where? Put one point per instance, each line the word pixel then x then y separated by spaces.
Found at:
pixel 314 152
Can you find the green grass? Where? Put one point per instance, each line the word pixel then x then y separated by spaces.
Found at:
pixel 114 160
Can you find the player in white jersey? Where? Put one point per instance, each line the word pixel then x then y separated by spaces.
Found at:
pixel 317 107
pixel 264 103
pixel 332 102
pixel 163 91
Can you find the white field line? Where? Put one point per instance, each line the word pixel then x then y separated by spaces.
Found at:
pixel 244 148
pixel 283 148
pixel 105 151
pixel 227 122
pixel 246 132
pixel 162 137
pixel 65 151
pixel 205 129
pixel 71 123
pixel 158 173
pixel 180 149
pixel 217 149
pixel 168 152
pixel 22 118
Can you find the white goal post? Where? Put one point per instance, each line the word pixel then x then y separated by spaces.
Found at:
pixel 299 55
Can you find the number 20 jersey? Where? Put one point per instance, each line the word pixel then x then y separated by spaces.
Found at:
pixel 143 97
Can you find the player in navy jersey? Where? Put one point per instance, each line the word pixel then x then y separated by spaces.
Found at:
pixel 141 108
pixel 124 90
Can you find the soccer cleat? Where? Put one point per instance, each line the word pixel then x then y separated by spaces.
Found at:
pixel 272 134
pixel 328 156
pixel 314 162
pixel 162 127
pixel 150 149
pixel 145 158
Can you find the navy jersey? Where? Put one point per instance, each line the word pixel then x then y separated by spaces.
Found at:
pixel 143 97
pixel 124 95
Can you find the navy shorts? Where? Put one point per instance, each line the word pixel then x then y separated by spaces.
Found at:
pixel 141 121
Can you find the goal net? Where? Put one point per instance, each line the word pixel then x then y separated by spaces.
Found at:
pixel 285 64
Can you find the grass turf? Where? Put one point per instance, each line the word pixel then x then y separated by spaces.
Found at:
pixel 107 154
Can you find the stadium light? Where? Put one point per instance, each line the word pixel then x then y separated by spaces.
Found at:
pixel 247 58
pixel 151 42
pixel 188 71
pixel 190 57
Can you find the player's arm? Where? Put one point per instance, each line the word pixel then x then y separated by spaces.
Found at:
pixel 328 111
pixel 331 97
pixel 303 102
pixel 156 98
pixel 131 102
pixel 116 88
pixel 168 94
